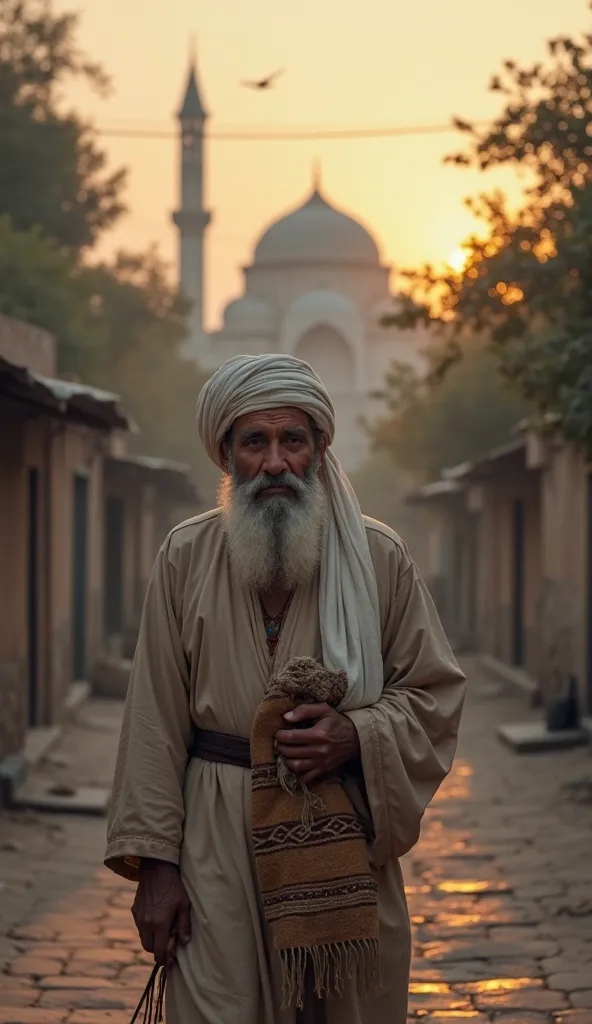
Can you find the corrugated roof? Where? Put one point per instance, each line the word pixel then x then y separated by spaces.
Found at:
pixel 431 491
pixel 175 475
pixel 67 389
pixel 488 463
pixel 64 398
pixel 154 464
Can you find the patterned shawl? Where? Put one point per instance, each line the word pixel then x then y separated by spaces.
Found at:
pixel 318 893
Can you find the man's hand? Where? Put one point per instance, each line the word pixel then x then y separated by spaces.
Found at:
pixel 161 910
pixel 329 741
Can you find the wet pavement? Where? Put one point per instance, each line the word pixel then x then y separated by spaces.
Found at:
pixel 499 889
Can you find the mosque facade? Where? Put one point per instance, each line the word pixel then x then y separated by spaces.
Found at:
pixel 316 288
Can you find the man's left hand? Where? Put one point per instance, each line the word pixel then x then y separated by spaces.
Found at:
pixel 329 741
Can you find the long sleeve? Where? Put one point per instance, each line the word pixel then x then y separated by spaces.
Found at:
pixel 408 738
pixel 147 813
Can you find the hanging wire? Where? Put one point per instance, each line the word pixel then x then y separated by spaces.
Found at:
pixel 260 135
pixel 288 135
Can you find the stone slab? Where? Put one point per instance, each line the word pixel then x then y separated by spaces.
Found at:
pixel 34 795
pixel 39 741
pixel 78 694
pixel 516 677
pixel 534 737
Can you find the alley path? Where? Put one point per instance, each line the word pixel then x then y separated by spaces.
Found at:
pixel 500 889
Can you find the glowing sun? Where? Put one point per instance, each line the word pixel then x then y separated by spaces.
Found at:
pixel 458 259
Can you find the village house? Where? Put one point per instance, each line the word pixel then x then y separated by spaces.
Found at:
pixel 144 498
pixel 512 536
pixel 81 521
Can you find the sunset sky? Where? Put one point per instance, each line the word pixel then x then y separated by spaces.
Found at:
pixel 355 65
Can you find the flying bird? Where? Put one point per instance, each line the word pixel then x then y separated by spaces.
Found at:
pixel 264 83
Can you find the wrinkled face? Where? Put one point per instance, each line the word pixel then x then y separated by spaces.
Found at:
pixel 273 498
pixel 271 443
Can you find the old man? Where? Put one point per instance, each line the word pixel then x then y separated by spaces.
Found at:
pixel 287 567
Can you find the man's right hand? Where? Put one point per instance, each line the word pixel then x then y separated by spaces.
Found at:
pixel 161 910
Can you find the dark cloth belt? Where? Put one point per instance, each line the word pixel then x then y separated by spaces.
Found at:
pixel 221 747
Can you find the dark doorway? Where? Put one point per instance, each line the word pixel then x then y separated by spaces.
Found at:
pixel 79 567
pixel 471 548
pixel 518 584
pixel 33 594
pixel 589 609
pixel 113 608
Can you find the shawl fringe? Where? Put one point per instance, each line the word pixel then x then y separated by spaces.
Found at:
pixel 331 965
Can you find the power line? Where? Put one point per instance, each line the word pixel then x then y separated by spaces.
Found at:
pixel 299 135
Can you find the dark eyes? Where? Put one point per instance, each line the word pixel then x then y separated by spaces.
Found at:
pixel 257 442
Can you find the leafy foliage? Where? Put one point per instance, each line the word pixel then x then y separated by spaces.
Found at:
pixel 138 322
pixel 120 326
pixel 52 173
pixel 432 424
pixel 544 126
pixel 38 285
pixel 527 283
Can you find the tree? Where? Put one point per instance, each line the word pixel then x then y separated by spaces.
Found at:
pixel 527 283
pixel 52 173
pixel 140 321
pixel 39 284
pixel 118 327
pixel 433 424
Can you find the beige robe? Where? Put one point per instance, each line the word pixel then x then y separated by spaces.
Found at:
pixel 202 660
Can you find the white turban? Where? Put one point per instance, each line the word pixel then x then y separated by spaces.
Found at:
pixel 348 595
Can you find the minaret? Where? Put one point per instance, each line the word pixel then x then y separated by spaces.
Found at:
pixel 316 176
pixel 191 218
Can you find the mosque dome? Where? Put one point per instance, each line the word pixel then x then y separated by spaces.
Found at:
pixel 316 232
pixel 321 303
pixel 249 315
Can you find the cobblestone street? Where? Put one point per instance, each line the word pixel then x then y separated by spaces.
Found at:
pixel 500 889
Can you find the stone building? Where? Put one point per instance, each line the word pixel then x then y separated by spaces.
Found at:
pixel 144 498
pixel 316 288
pixel 512 535
pixel 54 436
pixel 69 576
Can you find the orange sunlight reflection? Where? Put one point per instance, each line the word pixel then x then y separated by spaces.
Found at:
pixel 471 886
pixel 424 988
pixel 459 920
pixel 452 1014
pixel 503 984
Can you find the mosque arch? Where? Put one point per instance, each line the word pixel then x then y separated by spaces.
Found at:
pixel 330 354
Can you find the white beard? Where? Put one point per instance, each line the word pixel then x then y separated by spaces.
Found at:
pixel 274 540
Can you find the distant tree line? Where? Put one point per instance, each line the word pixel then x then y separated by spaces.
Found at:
pixel 119 324
pixel 514 327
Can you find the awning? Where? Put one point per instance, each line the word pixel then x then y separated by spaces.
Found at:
pixel 437 491
pixel 61 398
pixel 91 403
pixel 455 479
pixel 498 460
pixel 175 477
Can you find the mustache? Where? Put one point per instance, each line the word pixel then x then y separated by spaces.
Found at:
pixel 252 488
